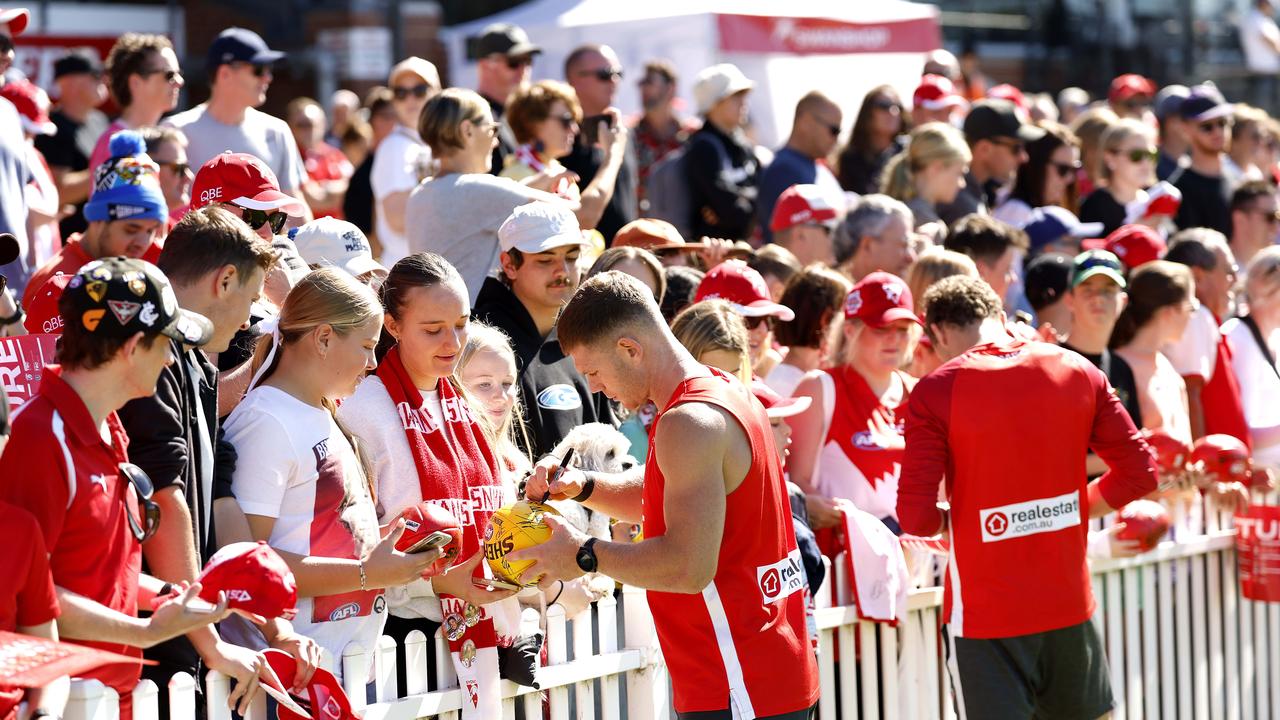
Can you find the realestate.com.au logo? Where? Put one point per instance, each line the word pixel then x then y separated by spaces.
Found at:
pixel 1030 518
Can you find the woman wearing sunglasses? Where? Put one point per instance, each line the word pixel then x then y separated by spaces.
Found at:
pixel 1047 178
pixel 1128 168
pixel 545 118
pixel 402 160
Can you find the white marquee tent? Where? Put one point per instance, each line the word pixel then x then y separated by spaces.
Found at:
pixel 842 47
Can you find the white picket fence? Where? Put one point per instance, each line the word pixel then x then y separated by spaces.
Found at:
pixel 1182 643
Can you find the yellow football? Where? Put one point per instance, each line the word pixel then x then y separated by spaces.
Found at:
pixel 515 527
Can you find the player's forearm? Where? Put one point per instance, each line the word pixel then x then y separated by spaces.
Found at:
pixel 618 495
pixel 660 563
pixel 1098 506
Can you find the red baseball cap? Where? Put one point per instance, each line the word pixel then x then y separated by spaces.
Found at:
pixel 1130 85
pixel 255 579
pixel 32 105
pixel 1005 91
pixel 1133 244
pixel 324 699
pixel 803 205
pixel 16 18
pixel 743 288
pixel 43 315
pixel 936 92
pixel 1163 199
pixel 776 406
pixel 244 180
pixel 879 299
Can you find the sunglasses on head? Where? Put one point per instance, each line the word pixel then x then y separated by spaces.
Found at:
pixel 1066 170
pixel 604 74
pixel 145 526
pixel 419 91
pixel 169 75
pixel 1140 154
pixel 1211 125
pixel 259 70
pixel 257 218
pixel 754 322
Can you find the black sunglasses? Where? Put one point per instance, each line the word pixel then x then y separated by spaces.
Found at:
pixel 833 128
pixel 145 527
pixel 566 119
pixel 179 168
pixel 516 63
pixel 257 218
pixel 1211 125
pixel 1066 170
pixel 419 91
pixel 754 322
pixel 1016 147
pixel 604 74
pixel 887 105
pixel 169 75
pixel 258 69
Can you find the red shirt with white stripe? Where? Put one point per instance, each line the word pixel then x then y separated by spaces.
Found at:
pixel 1009 424
pixel 58 467
pixel 742 641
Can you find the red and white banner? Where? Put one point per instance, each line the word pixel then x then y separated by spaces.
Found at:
pixel 1258 549
pixel 22 358
pixel 822 36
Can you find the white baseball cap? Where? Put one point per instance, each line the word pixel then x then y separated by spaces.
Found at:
pixel 716 83
pixel 330 241
pixel 538 227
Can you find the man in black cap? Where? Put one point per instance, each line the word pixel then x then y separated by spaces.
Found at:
pixel 1206 187
pixel 78 75
pixel 239 66
pixel 997 135
pixel 504 59
pixel 1046 280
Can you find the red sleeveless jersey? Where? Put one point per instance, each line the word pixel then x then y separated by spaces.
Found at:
pixel 741 643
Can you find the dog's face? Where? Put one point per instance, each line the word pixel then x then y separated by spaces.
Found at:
pixel 598 447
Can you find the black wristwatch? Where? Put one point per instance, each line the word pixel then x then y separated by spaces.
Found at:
pixel 587 556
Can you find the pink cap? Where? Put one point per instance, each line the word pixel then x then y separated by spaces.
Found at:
pixel 255 579
pixel 1133 244
pixel 936 92
pixel 244 180
pixel 43 315
pixel 32 105
pixel 1130 85
pixel 776 406
pixel 879 299
pixel 743 288
pixel 803 205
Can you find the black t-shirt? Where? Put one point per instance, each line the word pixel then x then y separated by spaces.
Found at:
pixel 585 159
pixel 357 205
pixel 1101 207
pixel 506 139
pixel 70 149
pixel 1206 201
pixel 1120 374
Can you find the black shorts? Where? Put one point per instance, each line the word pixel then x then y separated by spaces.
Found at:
pixel 1055 675
pixel 728 715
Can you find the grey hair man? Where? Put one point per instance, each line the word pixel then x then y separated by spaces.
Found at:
pixel 875 235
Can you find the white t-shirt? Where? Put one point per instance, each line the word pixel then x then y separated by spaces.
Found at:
pixel 371 417
pixel 458 215
pixel 295 465
pixel 401 161
pixel 265 137
pixel 784 378
pixel 1197 352
pixel 1259 55
pixel 1259 386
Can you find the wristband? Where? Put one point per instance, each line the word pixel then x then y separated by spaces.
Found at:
pixel 557 597
pixel 588 487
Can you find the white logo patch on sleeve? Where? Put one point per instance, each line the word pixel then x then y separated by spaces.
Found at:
pixel 1029 518
pixel 782 578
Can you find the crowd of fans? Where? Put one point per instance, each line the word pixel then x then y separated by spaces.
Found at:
pixel 359 303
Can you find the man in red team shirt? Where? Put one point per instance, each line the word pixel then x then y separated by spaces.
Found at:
pixel 65 463
pixel 719 554
pixel 1018 598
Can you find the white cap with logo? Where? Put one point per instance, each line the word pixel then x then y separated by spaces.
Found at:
pixel 539 227
pixel 330 241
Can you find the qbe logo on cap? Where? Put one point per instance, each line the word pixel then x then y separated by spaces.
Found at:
pixel 1030 518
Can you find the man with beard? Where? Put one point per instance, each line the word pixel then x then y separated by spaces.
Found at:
pixel 1206 188
pixel 540 246
pixel 659 130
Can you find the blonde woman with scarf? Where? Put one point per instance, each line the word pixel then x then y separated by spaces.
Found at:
pixel 298 479
pixel 426 443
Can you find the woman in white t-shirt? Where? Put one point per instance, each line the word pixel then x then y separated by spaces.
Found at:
pixel 298 478
pixel 816 294
pixel 402 159
pixel 1255 363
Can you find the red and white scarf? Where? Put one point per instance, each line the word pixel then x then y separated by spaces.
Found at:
pixel 457 470
pixel 526 155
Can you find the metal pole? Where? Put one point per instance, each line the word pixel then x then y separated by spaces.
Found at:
pixel 395 21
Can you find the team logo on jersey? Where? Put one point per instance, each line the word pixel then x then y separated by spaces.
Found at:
pixel 1030 518
pixel 782 578
pixel 99 480
pixel 559 397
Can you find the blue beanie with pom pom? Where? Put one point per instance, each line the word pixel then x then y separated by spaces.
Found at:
pixel 127 186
